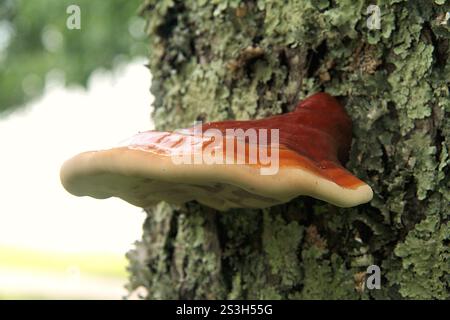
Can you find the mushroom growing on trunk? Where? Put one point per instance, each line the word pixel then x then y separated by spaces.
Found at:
pixel 229 164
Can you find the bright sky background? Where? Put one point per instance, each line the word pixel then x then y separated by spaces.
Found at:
pixel 35 210
pixel 49 239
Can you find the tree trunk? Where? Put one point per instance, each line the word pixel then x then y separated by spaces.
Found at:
pixel 231 59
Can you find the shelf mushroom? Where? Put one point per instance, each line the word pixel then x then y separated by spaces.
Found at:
pixel 229 164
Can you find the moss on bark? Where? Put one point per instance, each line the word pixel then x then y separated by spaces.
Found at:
pixel 226 59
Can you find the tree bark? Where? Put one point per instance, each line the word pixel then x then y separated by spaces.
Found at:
pixel 231 59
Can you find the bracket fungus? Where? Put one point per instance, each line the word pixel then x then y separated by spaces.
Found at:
pixel 229 164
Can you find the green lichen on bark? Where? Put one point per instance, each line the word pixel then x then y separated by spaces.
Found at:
pixel 226 59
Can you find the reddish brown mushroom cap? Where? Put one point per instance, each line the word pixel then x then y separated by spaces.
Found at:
pixel 313 142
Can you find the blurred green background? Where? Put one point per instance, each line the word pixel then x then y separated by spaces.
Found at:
pixel 47 275
pixel 35 47
pixel 35 43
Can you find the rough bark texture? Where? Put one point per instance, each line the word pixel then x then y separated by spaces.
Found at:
pixel 231 59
